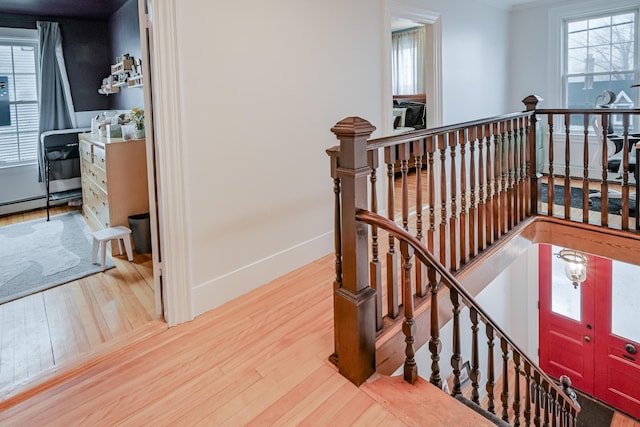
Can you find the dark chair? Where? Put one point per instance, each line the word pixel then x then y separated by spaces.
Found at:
pixel 615 145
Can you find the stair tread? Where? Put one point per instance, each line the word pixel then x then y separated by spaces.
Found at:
pixel 421 403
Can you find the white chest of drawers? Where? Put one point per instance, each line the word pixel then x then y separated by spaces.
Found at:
pixel 114 179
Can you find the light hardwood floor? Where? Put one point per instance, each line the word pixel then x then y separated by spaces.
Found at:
pixel 44 331
pixel 261 359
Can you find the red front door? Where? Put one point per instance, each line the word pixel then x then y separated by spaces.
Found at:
pixel 592 333
pixel 618 350
pixel 567 321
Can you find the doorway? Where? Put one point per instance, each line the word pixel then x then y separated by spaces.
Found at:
pixel 80 317
pixel 401 16
pixel 590 331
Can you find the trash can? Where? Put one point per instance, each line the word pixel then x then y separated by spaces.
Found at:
pixel 141 230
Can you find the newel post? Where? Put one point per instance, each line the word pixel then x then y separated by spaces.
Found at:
pixel 354 301
pixel 531 103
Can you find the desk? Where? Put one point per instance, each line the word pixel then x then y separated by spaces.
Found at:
pixel 60 147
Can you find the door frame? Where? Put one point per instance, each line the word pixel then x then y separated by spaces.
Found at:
pixel 166 147
pixel 433 60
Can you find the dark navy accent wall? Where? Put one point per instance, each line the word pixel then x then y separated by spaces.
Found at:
pixel 124 34
pixel 86 53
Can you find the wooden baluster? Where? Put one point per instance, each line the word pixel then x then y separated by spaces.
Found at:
pixel 404 153
pixel 393 305
pixel 442 146
pixel 504 180
pixel 573 418
pixel 375 268
pixel 554 407
pixel 546 400
pixel 474 375
pixel 453 217
pixel 510 148
pixel 434 343
pixel 516 389
pixel 531 201
pixel 527 393
pixel 523 169
pixel 537 394
pixel 516 148
pixel 473 242
pixel 585 169
pixel 482 239
pixel 497 194
pixel 567 171
pixel 625 172
pixel 489 188
pixel 421 274
pixel 604 186
pixel 550 178
pixel 490 369
pixel 456 359
pixel 504 396
pixel 337 240
pixel 408 325
pixel 564 413
pixel 464 249
pixel 431 196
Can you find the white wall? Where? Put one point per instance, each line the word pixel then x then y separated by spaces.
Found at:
pixel 535 51
pixel 474 57
pixel 261 85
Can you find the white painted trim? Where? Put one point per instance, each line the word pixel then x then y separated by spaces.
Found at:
pixel 18 34
pixel 233 284
pixel 433 56
pixel 152 184
pixel 169 162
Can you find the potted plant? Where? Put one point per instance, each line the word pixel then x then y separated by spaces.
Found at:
pixel 137 117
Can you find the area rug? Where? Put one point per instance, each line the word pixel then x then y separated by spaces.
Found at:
pixel 41 254
pixel 593 413
pixel 614 204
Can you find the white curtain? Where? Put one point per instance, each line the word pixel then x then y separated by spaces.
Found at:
pixel 407 61
pixel 55 106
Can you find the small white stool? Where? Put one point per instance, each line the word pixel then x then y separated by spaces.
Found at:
pixel 101 237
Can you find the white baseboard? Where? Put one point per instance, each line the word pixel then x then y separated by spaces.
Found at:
pixel 212 294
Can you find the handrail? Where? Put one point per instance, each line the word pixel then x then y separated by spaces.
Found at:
pixel 425 257
pixel 390 140
pixel 588 111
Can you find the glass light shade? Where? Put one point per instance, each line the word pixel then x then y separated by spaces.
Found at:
pixel 575 265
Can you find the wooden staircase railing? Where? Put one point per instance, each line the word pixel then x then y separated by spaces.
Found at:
pixel 544 401
pixel 458 190
pixel 578 155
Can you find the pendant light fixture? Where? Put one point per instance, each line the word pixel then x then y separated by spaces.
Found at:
pixel 575 265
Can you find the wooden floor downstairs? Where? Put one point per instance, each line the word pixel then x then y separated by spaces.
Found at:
pixel 261 360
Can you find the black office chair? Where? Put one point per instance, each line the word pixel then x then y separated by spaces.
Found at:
pixel 614 146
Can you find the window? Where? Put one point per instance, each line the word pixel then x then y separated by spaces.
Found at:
pixel 18 141
pixel 600 55
pixel 407 61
